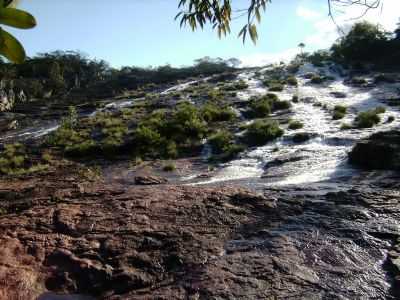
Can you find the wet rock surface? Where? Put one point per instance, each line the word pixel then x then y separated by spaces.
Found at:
pixel 379 151
pixel 181 242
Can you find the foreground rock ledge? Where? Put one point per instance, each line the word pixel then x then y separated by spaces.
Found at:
pixel 157 242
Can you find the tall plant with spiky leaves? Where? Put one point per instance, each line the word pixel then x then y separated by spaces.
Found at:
pixel 10 47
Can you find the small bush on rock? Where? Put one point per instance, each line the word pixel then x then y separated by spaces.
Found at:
pixel 293 125
pixel 367 119
pixel 262 131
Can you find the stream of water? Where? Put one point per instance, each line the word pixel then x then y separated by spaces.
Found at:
pixel 324 156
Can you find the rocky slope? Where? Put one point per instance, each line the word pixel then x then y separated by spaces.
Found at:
pixel 89 239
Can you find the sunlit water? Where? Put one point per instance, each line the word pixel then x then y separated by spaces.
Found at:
pixel 324 156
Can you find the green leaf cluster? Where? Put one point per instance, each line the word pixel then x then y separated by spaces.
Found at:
pixel 10 47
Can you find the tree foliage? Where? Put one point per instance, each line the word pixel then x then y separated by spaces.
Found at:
pixel 367 43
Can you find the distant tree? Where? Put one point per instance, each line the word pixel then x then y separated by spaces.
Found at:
pixel 397 31
pixel 234 62
pixel 365 43
pixel 301 46
pixel 55 76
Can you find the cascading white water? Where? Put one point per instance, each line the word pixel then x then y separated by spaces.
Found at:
pixel 324 156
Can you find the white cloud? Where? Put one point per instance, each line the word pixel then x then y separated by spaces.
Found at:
pixel 326 32
pixel 306 13
pixel 261 59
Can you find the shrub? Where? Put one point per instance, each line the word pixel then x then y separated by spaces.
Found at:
pixel 240 85
pixel 263 106
pixel 14 161
pixel 309 75
pixel 316 79
pixel 380 110
pixel 212 113
pixel 71 141
pixel 293 67
pixel 293 125
pixel 291 80
pixel 260 108
pixel 170 167
pixel 295 99
pixel 220 140
pixel 147 139
pixel 12 158
pixel 276 87
pixel 186 124
pixel 339 112
pixel 390 119
pixel 345 126
pixel 231 151
pixel 358 80
pixel 337 115
pixel 280 105
pixel 223 145
pixel 364 43
pixel 384 78
pixel 262 131
pixel 301 137
pixel 367 119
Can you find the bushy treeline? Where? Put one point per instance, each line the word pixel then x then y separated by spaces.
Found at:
pixel 71 73
pixel 367 43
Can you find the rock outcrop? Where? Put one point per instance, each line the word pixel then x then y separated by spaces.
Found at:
pixel 379 151
pixel 66 239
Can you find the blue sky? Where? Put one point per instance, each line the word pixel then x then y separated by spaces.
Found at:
pixel 143 32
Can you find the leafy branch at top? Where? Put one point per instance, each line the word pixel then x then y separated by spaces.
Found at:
pixel 219 13
pixel 10 47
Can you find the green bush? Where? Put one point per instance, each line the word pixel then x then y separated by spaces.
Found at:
pixel 262 131
pixel 390 119
pixel 263 106
pixel 301 137
pixel 280 105
pixel 317 79
pixel 337 115
pixel 345 126
pixel 224 146
pixel 358 80
pixel 166 134
pixel 220 140
pixel 367 119
pixel 170 167
pixel 364 43
pixel 384 78
pixel 276 87
pixel 380 110
pixel 240 85
pixel 291 80
pixel 309 75
pixel 260 108
pixel 339 111
pixel 15 161
pixel 212 113
pixel 293 125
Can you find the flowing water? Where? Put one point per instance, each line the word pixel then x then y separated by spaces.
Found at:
pixel 324 156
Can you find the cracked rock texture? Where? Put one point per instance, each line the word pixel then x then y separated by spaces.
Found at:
pixel 72 240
